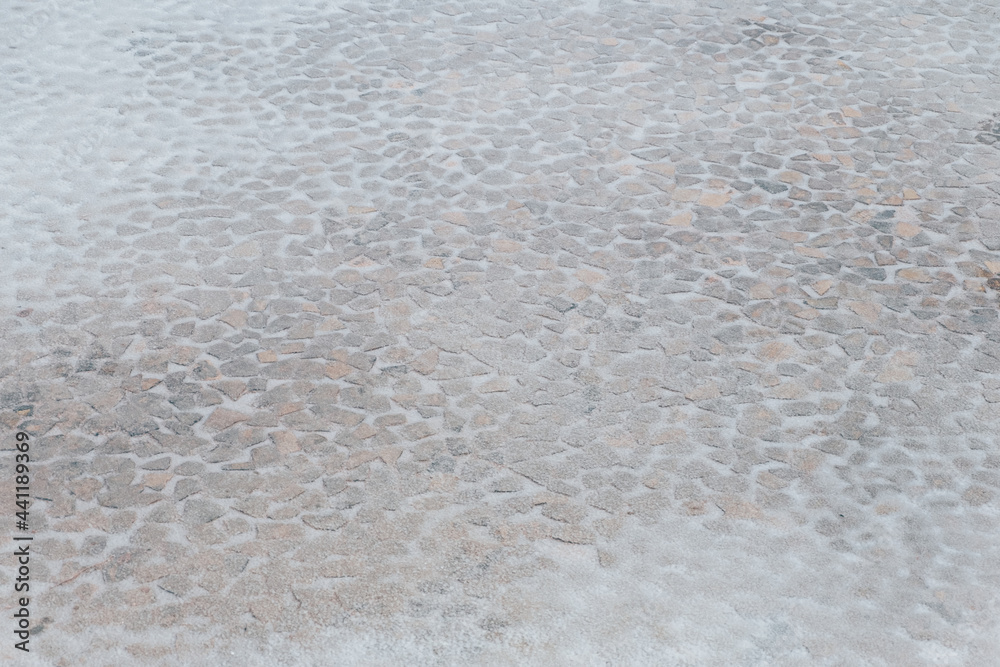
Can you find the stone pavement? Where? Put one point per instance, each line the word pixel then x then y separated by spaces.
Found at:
pixel 532 332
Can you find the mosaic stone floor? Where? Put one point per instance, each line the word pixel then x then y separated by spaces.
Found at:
pixel 517 333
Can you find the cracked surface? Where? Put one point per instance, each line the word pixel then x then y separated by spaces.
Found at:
pixel 520 333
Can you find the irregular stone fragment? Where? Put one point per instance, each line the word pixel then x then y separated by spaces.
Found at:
pixel 199 511
pixel 223 418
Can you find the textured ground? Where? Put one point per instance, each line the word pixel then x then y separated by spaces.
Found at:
pixel 504 333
